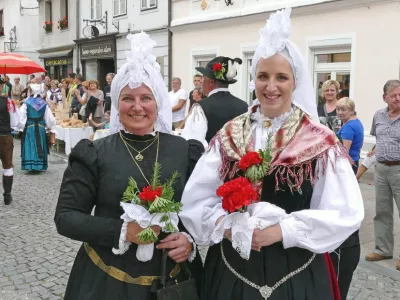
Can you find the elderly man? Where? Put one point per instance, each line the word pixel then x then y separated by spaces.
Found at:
pixel 16 90
pixel 197 82
pixel 9 118
pixel 209 115
pixel 178 99
pixel 386 128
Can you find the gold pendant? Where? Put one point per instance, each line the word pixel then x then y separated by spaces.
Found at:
pixel 267 123
pixel 139 157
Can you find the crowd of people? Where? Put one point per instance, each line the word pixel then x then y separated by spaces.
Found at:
pixel 270 188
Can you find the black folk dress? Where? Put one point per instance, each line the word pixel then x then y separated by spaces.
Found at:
pixel 96 177
pixel 271 264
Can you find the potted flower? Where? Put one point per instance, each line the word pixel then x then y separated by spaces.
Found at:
pixel 48 26
pixel 1 31
pixel 63 23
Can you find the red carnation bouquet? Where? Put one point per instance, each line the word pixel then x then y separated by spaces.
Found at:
pixel 153 205
pixel 240 199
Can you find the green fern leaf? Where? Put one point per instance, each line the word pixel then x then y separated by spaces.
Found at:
pixel 147 236
pixel 131 193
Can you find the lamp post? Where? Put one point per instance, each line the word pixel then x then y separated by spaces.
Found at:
pixel 12 42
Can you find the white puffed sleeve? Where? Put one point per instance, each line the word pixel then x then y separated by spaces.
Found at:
pixel 201 206
pixel 14 118
pixel 22 117
pixel 49 118
pixel 196 125
pixel 336 211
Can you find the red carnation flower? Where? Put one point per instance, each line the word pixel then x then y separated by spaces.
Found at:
pixel 236 194
pixel 249 159
pixel 217 67
pixel 45 22
pixel 148 194
pixel 51 23
pixel 58 27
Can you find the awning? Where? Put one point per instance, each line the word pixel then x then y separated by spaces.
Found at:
pixel 56 54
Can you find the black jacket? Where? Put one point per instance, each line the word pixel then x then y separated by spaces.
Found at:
pixel 220 108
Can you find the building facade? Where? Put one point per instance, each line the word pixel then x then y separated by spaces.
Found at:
pixel 93 40
pixel 104 51
pixel 340 39
pixel 19 24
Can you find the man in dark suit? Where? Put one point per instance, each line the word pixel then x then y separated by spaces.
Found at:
pixel 210 114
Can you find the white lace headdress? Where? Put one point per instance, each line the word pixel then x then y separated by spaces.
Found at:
pixel 274 39
pixel 141 68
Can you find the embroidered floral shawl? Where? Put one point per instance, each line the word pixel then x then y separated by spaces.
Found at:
pixel 297 145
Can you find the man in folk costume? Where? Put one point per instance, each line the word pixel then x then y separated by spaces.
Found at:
pixel 9 118
pixel 209 115
pixel 275 191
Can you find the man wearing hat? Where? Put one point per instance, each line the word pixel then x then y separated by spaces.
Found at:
pixel 9 118
pixel 210 115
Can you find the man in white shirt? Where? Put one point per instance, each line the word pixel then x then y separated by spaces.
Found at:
pixel 178 99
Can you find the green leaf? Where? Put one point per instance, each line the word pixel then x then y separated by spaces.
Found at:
pixel 164 218
pixel 131 193
pixel 159 205
pixel 169 227
pixel 147 236
pixel 168 191
pixel 155 183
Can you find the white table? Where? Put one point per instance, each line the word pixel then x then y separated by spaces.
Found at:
pixel 101 133
pixel 71 136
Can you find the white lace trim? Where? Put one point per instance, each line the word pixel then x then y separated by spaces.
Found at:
pixel 123 245
pixel 289 233
pixel 192 255
pixel 276 123
pixel 259 215
pixel 208 220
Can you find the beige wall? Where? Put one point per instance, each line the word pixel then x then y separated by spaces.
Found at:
pixel 377 50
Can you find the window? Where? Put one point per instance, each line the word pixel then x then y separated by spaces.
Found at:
pixel 119 7
pixel 64 9
pixel 48 10
pixel 148 4
pixel 1 23
pixel 202 61
pixel 332 64
pixel 95 10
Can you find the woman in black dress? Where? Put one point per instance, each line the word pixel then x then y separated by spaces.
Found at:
pixel 310 183
pixel 106 266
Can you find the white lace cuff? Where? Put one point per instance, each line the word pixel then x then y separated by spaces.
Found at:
pixel 208 220
pixel 123 245
pixel 192 255
pixel 289 233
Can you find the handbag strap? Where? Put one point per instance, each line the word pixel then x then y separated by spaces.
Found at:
pixel 164 275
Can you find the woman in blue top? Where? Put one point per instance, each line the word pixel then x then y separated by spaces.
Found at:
pixel 352 131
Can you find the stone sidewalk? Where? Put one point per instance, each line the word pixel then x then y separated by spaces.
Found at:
pixel 35 261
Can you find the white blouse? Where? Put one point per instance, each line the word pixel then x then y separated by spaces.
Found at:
pixel 336 209
pixel 48 118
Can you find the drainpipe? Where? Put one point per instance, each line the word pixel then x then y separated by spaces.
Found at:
pixel 78 69
pixel 169 44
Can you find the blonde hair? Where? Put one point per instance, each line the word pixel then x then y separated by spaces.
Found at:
pixel 85 84
pixel 346 102
pixel 93 82
pixel 327 84
pixel 55 82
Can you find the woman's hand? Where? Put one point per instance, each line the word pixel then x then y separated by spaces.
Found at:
pixel 266 237
pixel 90 117
pixel 179 245
pixel 133 229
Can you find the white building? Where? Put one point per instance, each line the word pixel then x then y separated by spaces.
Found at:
pixel 106 53
pixel 94 43
pixel 351 40
pixel 19 20
pixel 57 48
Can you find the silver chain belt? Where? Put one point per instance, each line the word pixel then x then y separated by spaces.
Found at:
pixel 265 290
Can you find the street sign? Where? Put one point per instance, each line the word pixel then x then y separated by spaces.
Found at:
pixel 90 31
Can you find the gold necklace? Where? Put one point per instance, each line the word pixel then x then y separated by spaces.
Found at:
pixel 141 171
pixel 152 139
pixel 139 156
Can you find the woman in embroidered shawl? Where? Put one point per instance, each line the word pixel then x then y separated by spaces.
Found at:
pixel 36 116
pixel 310 180
pixel 107 265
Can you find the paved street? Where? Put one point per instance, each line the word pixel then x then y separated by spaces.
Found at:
pixel 35 261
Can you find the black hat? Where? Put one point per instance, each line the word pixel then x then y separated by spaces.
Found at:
pixel 222 69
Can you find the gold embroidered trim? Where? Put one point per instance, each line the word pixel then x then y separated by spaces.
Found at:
pixel 121 275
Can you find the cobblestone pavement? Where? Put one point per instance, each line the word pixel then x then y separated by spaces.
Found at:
pixel 35 261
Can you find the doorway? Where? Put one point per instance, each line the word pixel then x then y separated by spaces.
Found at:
pixel 105 66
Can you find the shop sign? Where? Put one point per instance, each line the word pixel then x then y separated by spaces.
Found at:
pixel 105 49
pixel 56 62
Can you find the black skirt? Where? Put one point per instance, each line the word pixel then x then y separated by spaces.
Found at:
pixel 265 268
